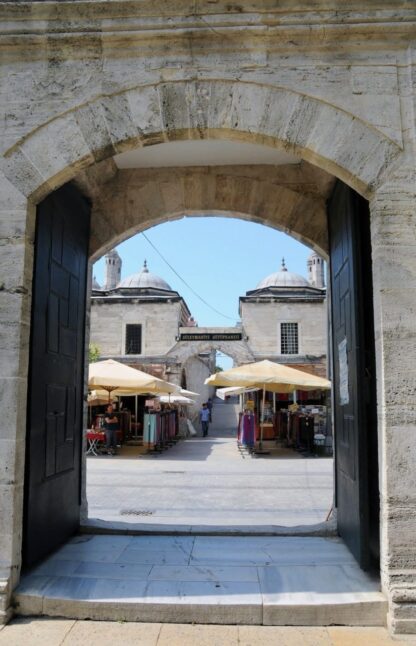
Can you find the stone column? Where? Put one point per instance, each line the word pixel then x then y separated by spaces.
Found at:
pixel 393 231
pixel 16 261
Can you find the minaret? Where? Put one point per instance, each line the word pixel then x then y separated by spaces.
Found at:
pixel 112 269
pixel 316 273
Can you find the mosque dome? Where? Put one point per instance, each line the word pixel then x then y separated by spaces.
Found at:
pixel 283 278
pixel 144 279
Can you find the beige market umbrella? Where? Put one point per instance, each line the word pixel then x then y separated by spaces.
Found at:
pixel 222 393
pixel 119 379
pixel 176 399
pixel 97 398
pixel 275 377
pixel 188 393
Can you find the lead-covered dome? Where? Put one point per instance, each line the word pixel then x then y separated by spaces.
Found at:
pixel 144 279
pixel 283 278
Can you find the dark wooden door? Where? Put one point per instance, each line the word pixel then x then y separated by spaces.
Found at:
pixel 55 401
pixel 356 455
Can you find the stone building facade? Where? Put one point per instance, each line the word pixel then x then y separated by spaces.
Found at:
pixel 333 87
pixel 285 319
pixel 137 320
pixel 141 321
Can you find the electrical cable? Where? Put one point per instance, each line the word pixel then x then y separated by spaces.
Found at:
pixel 184 281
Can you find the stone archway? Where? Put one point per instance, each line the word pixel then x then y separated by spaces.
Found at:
pixel 291 198
pixel 329 137
pixel 186 352
pixel 333 139
pixel 237 350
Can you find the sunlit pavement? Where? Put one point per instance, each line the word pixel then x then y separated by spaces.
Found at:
pixel 67 632
pixel 204 489
pixel 208 484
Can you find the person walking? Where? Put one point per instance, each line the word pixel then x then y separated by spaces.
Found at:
pixel 111 427
pixel 209 406
pixel 204 419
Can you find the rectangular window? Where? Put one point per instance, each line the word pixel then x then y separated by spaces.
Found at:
pixel 289 338
pixel 133 338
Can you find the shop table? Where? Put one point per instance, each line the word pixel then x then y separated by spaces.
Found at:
pixel 93 440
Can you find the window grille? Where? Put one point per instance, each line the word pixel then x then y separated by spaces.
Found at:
pixel 133 338
pixel 289 338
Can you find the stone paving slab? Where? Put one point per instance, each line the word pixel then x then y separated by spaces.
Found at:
pixel 63 632
pixel 209 580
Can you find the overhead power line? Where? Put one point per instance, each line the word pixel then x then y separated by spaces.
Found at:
pixel 184 281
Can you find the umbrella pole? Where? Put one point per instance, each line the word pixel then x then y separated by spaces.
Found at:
pixel 260 449
pixel 262 418
pixel 135 417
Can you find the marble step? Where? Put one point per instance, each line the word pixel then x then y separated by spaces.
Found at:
pixel 217 580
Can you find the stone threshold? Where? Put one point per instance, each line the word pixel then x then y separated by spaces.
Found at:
pixel 298 581
pixel 98 526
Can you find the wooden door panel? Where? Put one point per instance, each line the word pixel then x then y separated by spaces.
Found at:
pixel 353 353
pixel 55 408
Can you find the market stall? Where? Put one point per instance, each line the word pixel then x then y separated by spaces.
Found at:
pixel 116 379
pixel 275 378
pixel 165 421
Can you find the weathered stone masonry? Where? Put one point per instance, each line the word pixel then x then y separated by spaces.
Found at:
pixel 333 82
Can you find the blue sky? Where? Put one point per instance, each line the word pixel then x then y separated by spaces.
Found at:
pixel 220 258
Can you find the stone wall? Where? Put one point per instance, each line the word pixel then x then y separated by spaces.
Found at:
pixel 197 370
pixel 239 351
pixel 159 321
pixel 16 259
pixel 394 273
pixel 262 326
pixel 333 83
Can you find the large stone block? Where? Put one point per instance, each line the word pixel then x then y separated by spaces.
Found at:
pixel 12 462
pixel 69 149
pixel 11 505
pixel 13 407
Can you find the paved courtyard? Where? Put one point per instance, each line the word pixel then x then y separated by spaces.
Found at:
pixel 200 485
pixel 209 484
pixel 67 632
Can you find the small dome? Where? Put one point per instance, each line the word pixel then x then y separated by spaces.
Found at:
pixel 144 279
pixel 283 278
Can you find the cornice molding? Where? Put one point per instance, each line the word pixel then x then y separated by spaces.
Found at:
pixel 291 24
